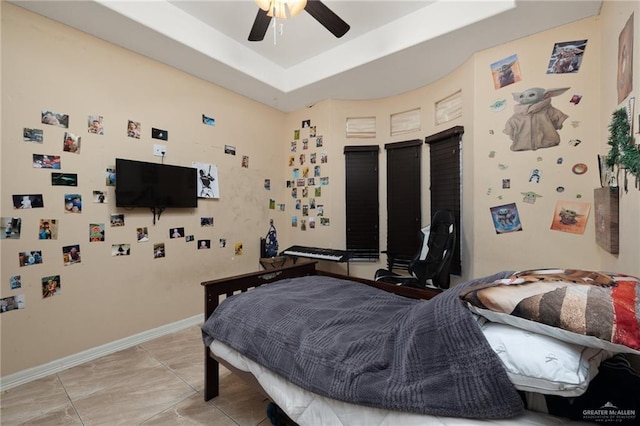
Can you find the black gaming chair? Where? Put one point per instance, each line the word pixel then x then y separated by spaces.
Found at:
pixel 433 260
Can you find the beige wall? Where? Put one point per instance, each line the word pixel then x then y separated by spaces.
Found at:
pixel 613 18
pixel 48 65
pixel 537 246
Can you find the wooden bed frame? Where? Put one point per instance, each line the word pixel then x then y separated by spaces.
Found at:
pixel 241 283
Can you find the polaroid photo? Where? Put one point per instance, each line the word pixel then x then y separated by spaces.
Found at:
pixel 159 134
pixel 32 135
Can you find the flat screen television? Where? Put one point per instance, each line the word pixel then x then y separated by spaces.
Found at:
pixel 142 184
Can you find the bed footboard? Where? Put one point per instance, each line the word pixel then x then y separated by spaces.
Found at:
pixel 229 286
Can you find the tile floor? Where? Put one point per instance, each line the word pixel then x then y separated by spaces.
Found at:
pixel 159 382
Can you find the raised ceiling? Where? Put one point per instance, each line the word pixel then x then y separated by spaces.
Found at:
pixel 392 47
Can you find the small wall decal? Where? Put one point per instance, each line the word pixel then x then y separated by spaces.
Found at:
pixel 117 219
pixel 71 254
pixel 16 282
pixel 575 99
pixel 498 105
pixel 530 197
pixel 158 251
pixel 29 258
pixel 11 227
pixel 32 135
pixel 207 184
pixel 159 134
pixel 96 232
pixel 176 233
pixel 12 303
pixel 99 197
pixel 142 234
pixel 570 216
pixel 134 128
pixel 54 118
pixel 27 201
pixel 505 72
pixel 44 161
pixel 566 57
pixel 209 121
pixel 72 203
pixel 48 229
pixel 94 125
pixel 534 177
pixel 506 218
pixel 579 168
pixel 71 143
pixel 64 179
pixel 50 286
pixel 120 249
pixel 238 249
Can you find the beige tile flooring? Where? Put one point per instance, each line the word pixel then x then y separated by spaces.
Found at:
pixel 159 382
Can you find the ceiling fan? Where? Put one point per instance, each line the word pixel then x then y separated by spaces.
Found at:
pixel 277 8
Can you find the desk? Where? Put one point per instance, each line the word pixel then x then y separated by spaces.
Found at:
pixel 273 262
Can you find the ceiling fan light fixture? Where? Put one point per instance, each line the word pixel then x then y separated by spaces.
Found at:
pixel 296 6
pixel 279 8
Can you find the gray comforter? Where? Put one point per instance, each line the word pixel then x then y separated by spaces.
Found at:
pixel 355 343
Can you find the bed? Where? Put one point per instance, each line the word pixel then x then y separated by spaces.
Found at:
pixel 307 340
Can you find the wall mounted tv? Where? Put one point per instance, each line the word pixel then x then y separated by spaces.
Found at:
pixel 157 186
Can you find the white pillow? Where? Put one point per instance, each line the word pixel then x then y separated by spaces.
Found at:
pixel 542 364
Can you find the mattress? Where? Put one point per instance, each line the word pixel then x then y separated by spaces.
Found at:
pixel 306 408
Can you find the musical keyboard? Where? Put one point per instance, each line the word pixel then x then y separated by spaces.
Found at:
pixel 317 253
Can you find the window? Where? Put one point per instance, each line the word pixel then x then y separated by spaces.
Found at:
pixel 444 160
pixel 362 206
pixel 403 202
pixel 361 127
pixel 405 122
pixel 449 108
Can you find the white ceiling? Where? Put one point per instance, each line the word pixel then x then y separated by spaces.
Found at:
pixel 392 47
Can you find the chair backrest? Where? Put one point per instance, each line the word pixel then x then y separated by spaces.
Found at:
pixel 440 241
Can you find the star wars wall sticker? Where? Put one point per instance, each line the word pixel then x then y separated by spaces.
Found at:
pixel 535 122
pixel 570 216
pixel 506 218
pixel 530 197
pixel 505 71
pixel 498 105
pixel 535 176
pixel 566 57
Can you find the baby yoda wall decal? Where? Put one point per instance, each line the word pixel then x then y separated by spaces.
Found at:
pixel 535 122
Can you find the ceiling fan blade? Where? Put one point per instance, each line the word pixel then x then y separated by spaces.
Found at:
pixel 260 26
pixel 327 18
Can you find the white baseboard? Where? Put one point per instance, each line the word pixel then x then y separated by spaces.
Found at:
pixel 34 373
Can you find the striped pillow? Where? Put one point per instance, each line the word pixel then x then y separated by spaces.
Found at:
pixel 594 309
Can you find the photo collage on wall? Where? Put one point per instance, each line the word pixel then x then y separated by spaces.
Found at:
pixel 69 141
pixel 307 177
